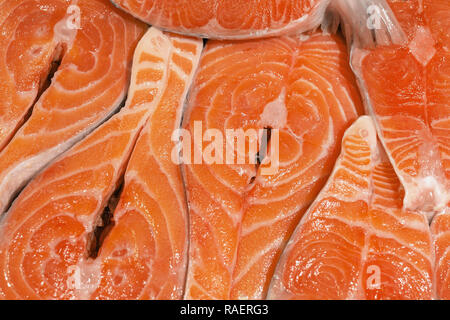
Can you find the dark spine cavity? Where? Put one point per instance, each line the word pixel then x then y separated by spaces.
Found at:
pixel 105 224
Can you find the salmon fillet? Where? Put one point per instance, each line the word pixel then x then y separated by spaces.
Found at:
pixel 88 87
pixel 53 223
pixel 440 228
pixel 356 241
pixel 407 89
pixel 229 19
pixel 242 213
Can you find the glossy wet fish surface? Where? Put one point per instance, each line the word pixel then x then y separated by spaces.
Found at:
pixel 229 19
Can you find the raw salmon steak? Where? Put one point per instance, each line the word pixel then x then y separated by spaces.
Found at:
pixel 242 210
pixel 440 228
pixel 93 44
pixel 145 255
pixel 27 50
pixel 52 235
pixel 229 19
pixel 356 241
pixel 407 89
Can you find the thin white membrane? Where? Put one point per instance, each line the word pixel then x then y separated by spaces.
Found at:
pixel 307 22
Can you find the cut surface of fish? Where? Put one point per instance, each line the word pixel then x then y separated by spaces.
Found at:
pixel 356 241
pixel 93 42
pixel 407 90
pixel 229 19
pixel 365 23
pixel 145 255
pixel 242 212
pixel 27 50
pixel 50 231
